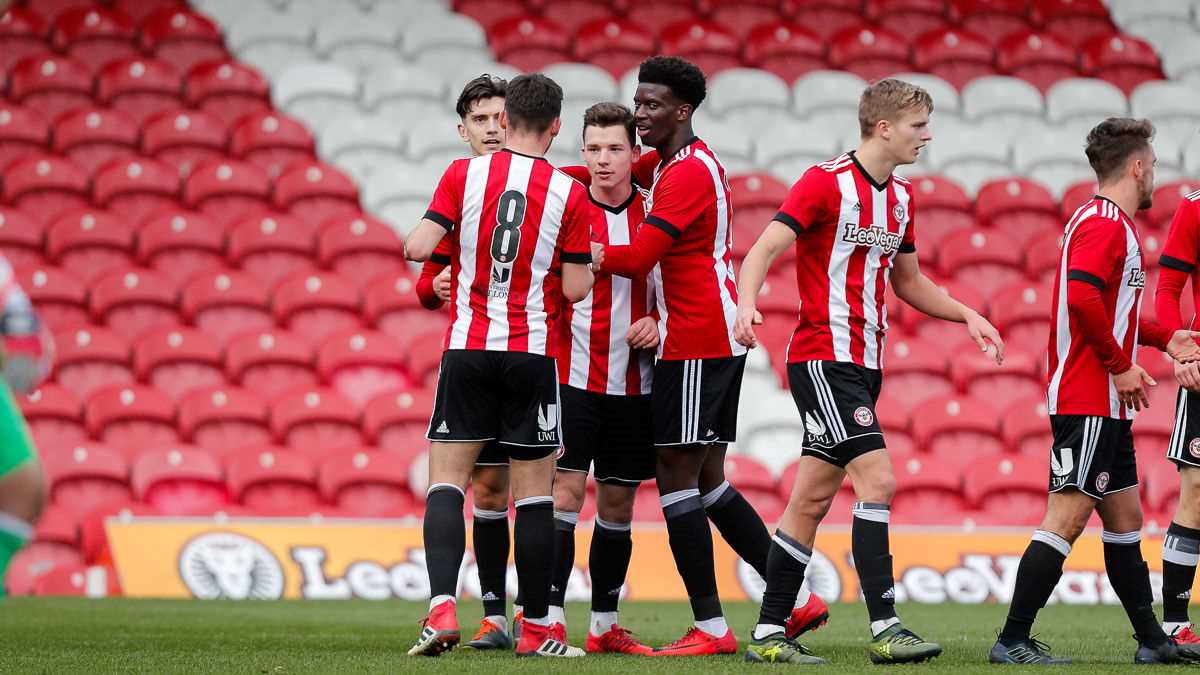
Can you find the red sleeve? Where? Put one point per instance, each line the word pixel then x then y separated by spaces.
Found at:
pixel 432 267
pixel 908 244
pixel 1178 262
pixel 1087 307
pixel 1096 248
pixel 579 173
pixel 446 207
pixel 1166 297
pixel 643 169
pixel 575 238
pixel 807 203
pixel 1153 334
pixel 680 198
pixel 637 259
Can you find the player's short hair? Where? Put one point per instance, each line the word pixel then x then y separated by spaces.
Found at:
pixel 886 99
pixel 1113 141
pixel 484 86
pixel 682 77
pixel 532 102
pixel 610 114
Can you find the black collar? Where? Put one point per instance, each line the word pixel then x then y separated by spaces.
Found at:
pixel 615 209
pixel 523 154
pixel 1119 209
pixel 662 161
pixel 868 176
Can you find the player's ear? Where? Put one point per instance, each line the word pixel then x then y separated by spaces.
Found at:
pixel 683 112
pixel 635 152
pixel 504 119
pixel 462 132
pixel 555 126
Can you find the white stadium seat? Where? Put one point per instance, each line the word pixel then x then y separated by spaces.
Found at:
pixel 470 68
pixel 788 152
pixel 318 93
pixel 731 140
pixel 826 90
pixel 1172 106
pixel 583 82
pixel 970 154
pixel 1128 11
pixel 271 41
pixel 357 41
pixel 435 140
pixel 1088 98
pixel 1053 157
pixel 1007 99
pixel 946 100
pixel 1191 157
pixel 1180 57
pixel 400 181
pixel 399 12
pixel 358 144
pixel 753 96
pixel 401 93
pixel 442 38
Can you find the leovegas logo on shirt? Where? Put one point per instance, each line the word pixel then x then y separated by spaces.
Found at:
pixel 1137 278
pixel 871 236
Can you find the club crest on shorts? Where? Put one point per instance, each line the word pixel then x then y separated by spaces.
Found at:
pixel 863 416
pixel 1194 447
pixel 1102 481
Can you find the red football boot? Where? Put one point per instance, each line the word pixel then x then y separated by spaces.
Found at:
pixel 813 615
pixel 617 640
pixel 558 631
pixel 696 642
pixel 537 641
pixel 1185 636
pixel 439 631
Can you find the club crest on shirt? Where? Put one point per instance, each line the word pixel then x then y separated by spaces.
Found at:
pixel 1137 278
pixel 899 213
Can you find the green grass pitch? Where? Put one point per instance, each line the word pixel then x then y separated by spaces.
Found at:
pixel 159 636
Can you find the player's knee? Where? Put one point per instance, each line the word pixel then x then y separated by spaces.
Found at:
pixel 566 499
pixel 489 496
pixel 618 512
pixel 877 488
pixel 1067 526
pixel 812 506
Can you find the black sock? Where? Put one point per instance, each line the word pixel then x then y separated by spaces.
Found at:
pixel 691 546
pixel 1130 579
pixel 564 555
pixel 786 563
pixel 533 539
pixel 739 525
pixel 490 530
pixel 608 563
pixel 1037 575
pixel 1181 549
pixel 445 538
pixel 872 560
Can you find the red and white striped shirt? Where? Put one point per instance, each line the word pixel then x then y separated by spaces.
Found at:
pixel 514 220
pixel 599 360
pixel 849 228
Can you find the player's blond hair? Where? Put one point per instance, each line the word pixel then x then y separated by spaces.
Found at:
pixel 886 100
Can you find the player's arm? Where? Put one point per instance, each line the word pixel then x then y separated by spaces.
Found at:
pixel 433 286
pixel 1177 263
pixel 774 240
pixel 440 218
pixel 577 280
pixel 680 197
pixel 919 291
pixel 574 237
pixel 643 333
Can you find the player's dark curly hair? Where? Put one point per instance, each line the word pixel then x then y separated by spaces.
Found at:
pixel 532 102
pixel 484 86
pixel 682 77
pixel 1113 141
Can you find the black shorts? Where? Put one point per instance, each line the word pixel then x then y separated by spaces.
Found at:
pixel 837 404
pixel 508 397
pixel 1092 454
pixel 1184 449
pixel 696 400
pixel 493 454
pixel 612 431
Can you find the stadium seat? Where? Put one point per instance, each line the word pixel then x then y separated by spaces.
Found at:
pixel 1077 195
pixel 908 17
pixel 1161 493
pixel 896 426
pixel 1022 313
pixel 1156 423
pixel 993 19
pixel 948 334
pixel 1018 207
pixel 91 136
pixel 181 37
pixel 785 49
pixel 614 44
pixel 318 93
pixel 368 484
pixel 271 140
pixel 272 246
pixel 139 86
pixel 140 10
pixel 178 360
pixel 54 415
pixel 390 305
pixel 869 52
pixel 361 363
pixel 755 96
pixel 928 490
pixel 271 39
pixel 316 421
pixel 184 138
pixel 88 358
pixel 49 83
pixel 1124 60
pixel 358 145
pixel 179 481
pixel 945 424
pixel 742 16
pixel 709 45
pixel 661 13
pixel 985 259
pixel 1025 426
pixel 134 300
pixel 315 192
pixel 45 185
pixel 136 187
pixel 90 241
pixel 360 248
pixel 269 362
pixel 826 97
pixel 779 300
pixel 1051 156
pixel 979 376
pixel 54 545
pixel 954 54
pixel 84 476
pixel 914 366
pixel 949 103
pixel 224 419
pixel 316 305
pixel 1007 489
pixel 1084 98
pixel 131 418
pixel 1166 201
pixel 758 197
pixel 273 481
pixel 437 40
pixel 93 536
pixel 1042 258
pixel 22 131
pixel 227 190
pixel 23 32
pixel 529 42
pixel 22 238
pixel 397 421
pixel 180 243
pixel 399 93
pixel 945 208
pixel 1172 106
pixel 76 580
pixel 826 17
pixel 60 297
pixel 355 40
pixel 94 35
pixel 1037 57
pixel 1007 100
pixel 572 14
pixel 228 89
pixel 1072 20
pixel 224 303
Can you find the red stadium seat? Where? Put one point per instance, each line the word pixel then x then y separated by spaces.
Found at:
pixel 224 303
pixel 23 32
pixel 93 537
pixel 1042 256
pixel 779 300
pixel 181 37
pixel 707 44
pixel 529 42
pixel 22 131
pixel 916 366
pixel 94 35
pixel 896 426
pixel 60 297
pixel 982 378
pixel 368 484
pixel 134 300
pixel 84 476
pixel 90 241
pixel 945 207
pixel 425 357
pixel 616 44
pixel 1025 426
pixel 272 246
pixel 178 360
pixel 1161 480
pixel 748 474
pixel 269 362
pixel 21 237
pixel 359 247
pixel 758 196
pixel 984 259
pixel 742 16
pixel 1022 313
pixel 131 418
pixel 316 305
pixel 398 420
pixel 954 54
pixel 391 306
pixel 1124 60
pixel 179 480
pixel 928 490
pixel 1007 489
pixel 571 14
pixel 224 419
pixel 489 12
pixel 229 89
pixel 49 83
pixel 138 10
pixel 54 415
pixel 1073 20
pixel 91 136
pixel 908 17
pixel 180 243
pixel 139 86
pixel 945 425
pixel 992 19
pixel 315 421
pixel 361 363
pixel 136 187
pixel 272 141
pixel 784 48
pixel 1156 423
pixel 45 184
pixel 869 52
pixel 227 190
pixel 948 333
pixel 81 581
pixel 273 481
pixel 658 14
pixel 55 544
pixel 1081 193
pixel 1038 57
pixel 184 138
pixel 51 9
pixel 316 192
pixel 89 358
pixel 1166 201
pixel 1020 207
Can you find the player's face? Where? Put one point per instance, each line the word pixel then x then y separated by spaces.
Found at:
pixel 481 126
pixel 657 113
pixel 608 155
pixel 1146 180
pixel 908 134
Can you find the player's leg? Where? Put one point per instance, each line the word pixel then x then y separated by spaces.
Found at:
pixel 737 521
pixel 569 490
pixel 1181 545
pixel 489 527
pixel 23 490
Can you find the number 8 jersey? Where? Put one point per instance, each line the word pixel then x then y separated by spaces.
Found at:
pixel 513 220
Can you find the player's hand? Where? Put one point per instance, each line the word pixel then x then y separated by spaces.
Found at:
pixel 643 334
pixel 441 285
pixel 984 333
pixel 1188 375
pixel 743 326
pixel 597 256
pixel 1131 387
pixel 1183 347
